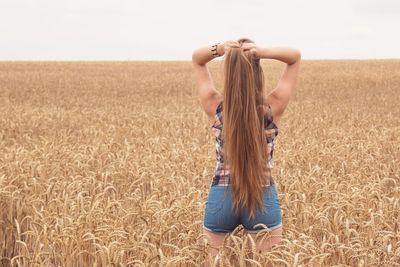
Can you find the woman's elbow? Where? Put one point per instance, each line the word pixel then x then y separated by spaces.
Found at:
pixel 195 56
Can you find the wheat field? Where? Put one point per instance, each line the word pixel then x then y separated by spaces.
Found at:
pixel 109 164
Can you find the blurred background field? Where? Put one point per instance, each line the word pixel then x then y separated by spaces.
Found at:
pixel 109 164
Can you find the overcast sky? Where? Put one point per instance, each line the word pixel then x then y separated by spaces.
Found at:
pixel 172 29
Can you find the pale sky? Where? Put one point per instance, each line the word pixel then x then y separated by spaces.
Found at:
pixel 173 29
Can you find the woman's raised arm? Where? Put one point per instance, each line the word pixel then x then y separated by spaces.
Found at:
pixel 280 95
pixel 208 94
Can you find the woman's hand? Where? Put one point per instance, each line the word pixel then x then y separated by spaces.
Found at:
pixel 252 47
pixel 226 46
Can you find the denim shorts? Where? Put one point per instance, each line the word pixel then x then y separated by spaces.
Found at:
pixel 219 215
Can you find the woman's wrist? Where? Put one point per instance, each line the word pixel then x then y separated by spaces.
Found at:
pixel 220 49
pixel 263 52
pixel 205 54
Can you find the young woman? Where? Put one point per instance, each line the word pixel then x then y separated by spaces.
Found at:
pixel 245 122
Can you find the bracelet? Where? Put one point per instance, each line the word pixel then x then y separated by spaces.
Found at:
pixel 214 50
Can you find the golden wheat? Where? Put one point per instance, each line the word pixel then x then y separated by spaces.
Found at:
pixel 109 164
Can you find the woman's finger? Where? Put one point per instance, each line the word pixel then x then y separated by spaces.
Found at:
pixel 248 45
pixel 248 48
pixel 233 44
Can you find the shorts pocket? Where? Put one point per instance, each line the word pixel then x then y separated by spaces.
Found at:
pixel 218 215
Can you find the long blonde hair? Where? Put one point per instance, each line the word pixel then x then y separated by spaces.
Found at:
pixel 243 118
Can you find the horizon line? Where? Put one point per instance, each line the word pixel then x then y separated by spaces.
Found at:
pixel 181 60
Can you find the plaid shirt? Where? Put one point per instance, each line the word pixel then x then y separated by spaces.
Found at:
pixel 271 131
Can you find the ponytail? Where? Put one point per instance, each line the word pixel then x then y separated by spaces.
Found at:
pixel 245 150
